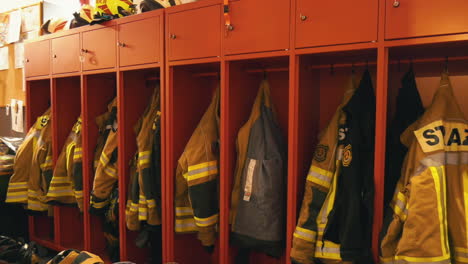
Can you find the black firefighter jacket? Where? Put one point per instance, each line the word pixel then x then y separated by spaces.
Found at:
pixel 258 197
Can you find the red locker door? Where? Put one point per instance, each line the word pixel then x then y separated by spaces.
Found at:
pixel 416 18
pixel 185 40
pixel 139 42
pixel 98 50
pixel 66 54
pixel 37 58
pixel 321 23
pixel 261 25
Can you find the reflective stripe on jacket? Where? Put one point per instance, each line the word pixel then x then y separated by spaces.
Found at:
pixel 196 201
pixel 429 222
pixel 259 194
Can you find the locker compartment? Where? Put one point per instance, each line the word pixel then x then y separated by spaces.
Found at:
pixel 65 54
pixel 135 93
pixel 66 108
pixel 257 26
pixel 191 89
pixel 184 40
pixel 320 23
pixel 243 85
pixel 37 58
pixel 41 227
pixel 98 49
pixel 139 41
pixel 407 19
pixel 322 81
pixel 98 92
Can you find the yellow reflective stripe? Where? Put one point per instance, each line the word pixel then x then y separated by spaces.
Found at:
pixel 386 260
pixel 151 203
pixel 17 183
pixel 99 205
pixel 183 211
pixel 438 180
pixel 144 157
pixel 32 193
pixel 11 188
pixel 202 165
pixel 329 250
pixel 142 209
pixel 422 260
pixel 103 159
pixel 305 234
pixel 203 222
pixel 60 180
pixel 13 197
pixel 78 194
pixel 69 152
pixel 320 176
pixel 47 162
pixel 185 225
pixel 133 207
pixel 110 171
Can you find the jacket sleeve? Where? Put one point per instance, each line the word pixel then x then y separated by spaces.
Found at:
pixel 106 174
pixel 131 213
pixel 318 183
pixel 202 182
pixel 77 172
pixel 60 189
pixel 184 221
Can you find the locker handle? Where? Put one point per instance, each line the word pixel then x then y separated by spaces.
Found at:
pixel 84 50
pixel 121 44
pixel 303 17
pixel 55 56
pixel 27 60
pixel 396 3
pixel 173 36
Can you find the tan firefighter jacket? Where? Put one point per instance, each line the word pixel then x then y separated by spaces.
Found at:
pixel 105 162
pixel 430 205
pixel 33 167
pixel 196 199
pixel 66 186
pixel 320 191
pixel 145 172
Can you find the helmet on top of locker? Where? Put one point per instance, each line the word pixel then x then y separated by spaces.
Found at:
pixel 54 25
pixel 115 8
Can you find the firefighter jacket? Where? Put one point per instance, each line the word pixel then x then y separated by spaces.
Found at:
pixel 33 167
pixel 320 191
pixel 106 175
pixel 196 201
pixel 350 221
pixel 408 109
pixel 144 199
pixel 259 194
pixel 429 222
pixel 66 186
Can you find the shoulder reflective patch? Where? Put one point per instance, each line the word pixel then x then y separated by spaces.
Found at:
pixel 347 155
pixel 321 152
pixel 249 180
pixel 42 121
pixel 443 135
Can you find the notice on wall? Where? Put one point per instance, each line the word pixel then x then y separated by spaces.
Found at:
pixel 14 27
pixel 19 55
pixel 4 60
pixel 4 22
pixel 17 115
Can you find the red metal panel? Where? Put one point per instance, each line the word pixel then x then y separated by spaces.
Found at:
pixel 320 23
pixel 37 58
pixel 98 48
pixel 416 18
pixel 261 25
pixel 139 42
pixel 379 157
pixel 184 38
pixel 65 54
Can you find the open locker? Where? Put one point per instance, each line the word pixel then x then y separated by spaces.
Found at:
pixel 321 82
pixel 244 78
pixel 98 90
pixel 38 100
pixel 136 88
pixel 190 91
pixel 66 108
